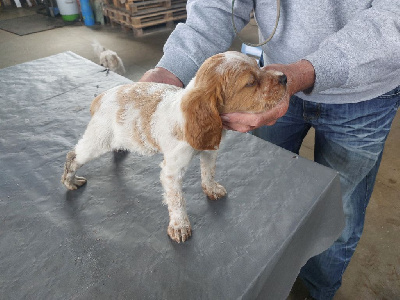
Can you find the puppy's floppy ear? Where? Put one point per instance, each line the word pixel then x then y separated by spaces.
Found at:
pixel 114 58
pixel 203 125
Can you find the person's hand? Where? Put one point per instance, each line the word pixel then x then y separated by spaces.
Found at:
pixel 161 75
pixel 244 122
pixel 300 77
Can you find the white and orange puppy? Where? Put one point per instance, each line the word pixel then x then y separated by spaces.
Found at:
pixel 151 117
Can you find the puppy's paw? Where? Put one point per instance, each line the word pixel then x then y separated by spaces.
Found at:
pixel 74 182
pixel 179 232
pixel 214 191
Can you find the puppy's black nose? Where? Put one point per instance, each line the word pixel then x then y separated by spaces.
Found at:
pixel 282 79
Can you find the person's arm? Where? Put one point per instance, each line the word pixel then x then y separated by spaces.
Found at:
pixel 363 55
pixel 207 31
pixel 300 77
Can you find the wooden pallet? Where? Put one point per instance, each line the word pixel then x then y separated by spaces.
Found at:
pixel 147 20
pixel 142 7
pixel 146 23
pixel 145 7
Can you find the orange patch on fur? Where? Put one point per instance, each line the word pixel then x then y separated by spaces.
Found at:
pixel 177 132
pixel 94 107
pixel 142 98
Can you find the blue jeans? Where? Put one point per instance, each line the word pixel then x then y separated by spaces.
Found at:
pixel 349 138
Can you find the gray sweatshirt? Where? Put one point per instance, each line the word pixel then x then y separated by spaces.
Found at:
pixel 354 45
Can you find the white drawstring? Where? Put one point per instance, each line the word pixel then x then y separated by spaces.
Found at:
pixel 278 11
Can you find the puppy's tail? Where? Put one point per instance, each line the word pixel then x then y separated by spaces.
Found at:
pixel 97 48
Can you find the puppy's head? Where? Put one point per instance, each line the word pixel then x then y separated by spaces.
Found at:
pixel 227 82
pixel 109 59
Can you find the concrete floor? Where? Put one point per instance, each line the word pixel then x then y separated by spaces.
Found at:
pixel 374 272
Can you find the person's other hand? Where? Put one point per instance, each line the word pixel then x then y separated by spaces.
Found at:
pixel 161 75
pixel 300 77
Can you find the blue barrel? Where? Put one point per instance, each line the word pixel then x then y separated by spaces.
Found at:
pixel 87 13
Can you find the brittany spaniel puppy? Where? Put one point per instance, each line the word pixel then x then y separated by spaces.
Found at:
pixel 151 117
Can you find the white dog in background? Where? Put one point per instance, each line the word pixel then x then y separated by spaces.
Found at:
pixel 108 58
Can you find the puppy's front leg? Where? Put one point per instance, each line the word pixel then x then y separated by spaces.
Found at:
pixel 211 188
pixel 173 168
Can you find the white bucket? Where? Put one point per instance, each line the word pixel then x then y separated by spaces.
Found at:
pixel 69 9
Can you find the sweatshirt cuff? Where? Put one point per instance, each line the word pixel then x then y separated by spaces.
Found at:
pixel 180 65
pixel 331 68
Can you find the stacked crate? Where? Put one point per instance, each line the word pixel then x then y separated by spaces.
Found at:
pixel 144 16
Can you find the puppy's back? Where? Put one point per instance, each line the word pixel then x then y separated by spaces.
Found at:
pixel 127 113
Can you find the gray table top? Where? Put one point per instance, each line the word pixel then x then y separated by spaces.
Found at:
pixel 108 239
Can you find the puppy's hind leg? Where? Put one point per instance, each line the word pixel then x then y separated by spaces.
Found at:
pixel 211 188
pixel 69 179
pixel 89 147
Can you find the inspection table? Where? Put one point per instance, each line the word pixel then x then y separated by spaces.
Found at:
pixel 108 239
